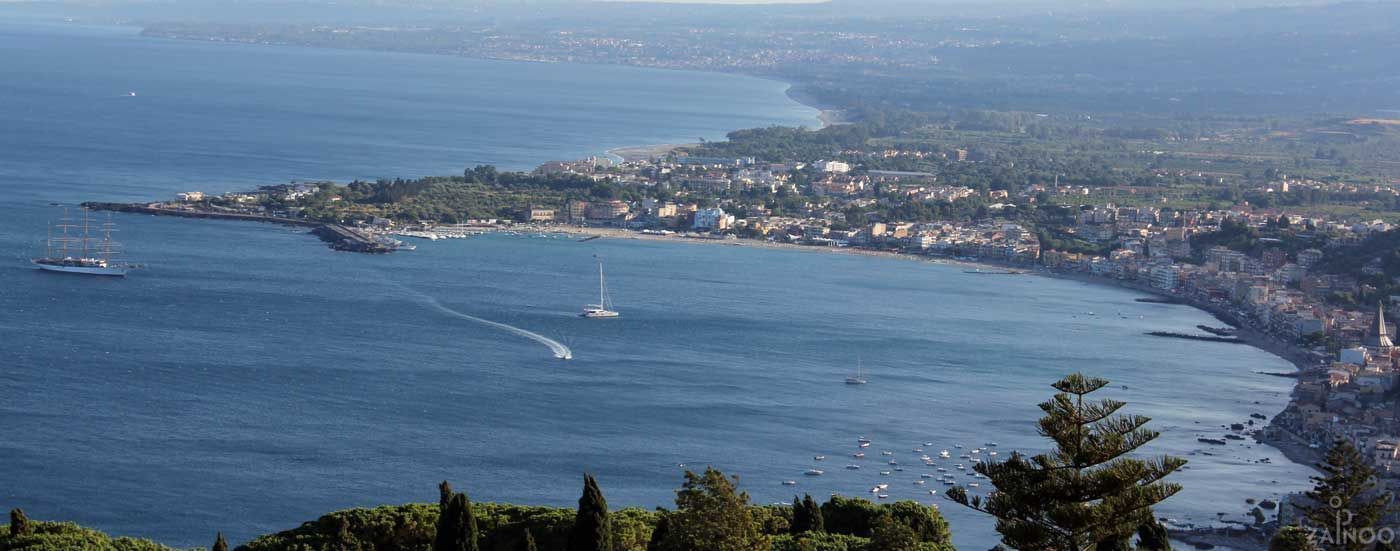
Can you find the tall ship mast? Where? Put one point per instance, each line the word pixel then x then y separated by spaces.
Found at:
pixel 80 248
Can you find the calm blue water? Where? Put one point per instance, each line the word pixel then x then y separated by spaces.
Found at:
pixel 252 379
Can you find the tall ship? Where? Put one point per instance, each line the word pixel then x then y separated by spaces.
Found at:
pixel 78 247
pixel 604 307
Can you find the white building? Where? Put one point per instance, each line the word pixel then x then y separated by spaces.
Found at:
pixel 1166 278
pixel 712 219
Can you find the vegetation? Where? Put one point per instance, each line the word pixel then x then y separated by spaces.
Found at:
pixel 1087 493
pixel 1346 490
pixel 712 515
pixel 63 536
pixel 591 531
pixel 1292 538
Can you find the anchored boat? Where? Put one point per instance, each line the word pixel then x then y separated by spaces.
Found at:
pixel 75 250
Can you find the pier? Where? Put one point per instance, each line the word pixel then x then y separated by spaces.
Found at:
pixel 341 238
pixel 1231 340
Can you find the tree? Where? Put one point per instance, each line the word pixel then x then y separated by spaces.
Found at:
pixel 456 528
pixel 1292 538
pixel 19 524
pixel 814 514
pixel 892 535
pixel 712 515
pixel 220 544
pixel 591 531
pixel 659 533
pixel 444 495
pixel 806 516
pixel 1085 492
pixel 1344 495
pixel 801 524
pixel 529 542
pixel 1152 536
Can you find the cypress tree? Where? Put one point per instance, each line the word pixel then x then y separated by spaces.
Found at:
pixel 658 534
pixel 220 544
pixel 19 524
pixel 1347 491
pixel 800 523
pixel 592 530
pixel 529 544
pixel 444 495
pixel 815 521
pixel 1085 492
pixel 456 528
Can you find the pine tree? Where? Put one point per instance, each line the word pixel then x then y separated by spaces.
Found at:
pixel 1347 488
pixel 19 524
pixel 1152 536
pixel 815 522
pixel 712 515
pixel 456 528
pixel 220 544
pixel 592 530
pixel 1087 491
pixel 1292 538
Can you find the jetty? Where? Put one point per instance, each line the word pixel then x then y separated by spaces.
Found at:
pixel 1207 338
pixel 192 213
pixel 341 238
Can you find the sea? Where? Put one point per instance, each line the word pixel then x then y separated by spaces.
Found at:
pixel 249 378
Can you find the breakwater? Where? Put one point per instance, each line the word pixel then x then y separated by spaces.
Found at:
pixel 340 238
pixel 1207 338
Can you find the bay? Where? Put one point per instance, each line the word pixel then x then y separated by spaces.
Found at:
pixel 251 379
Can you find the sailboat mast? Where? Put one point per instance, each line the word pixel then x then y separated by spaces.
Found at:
pixel 86 232
pixel 66 223
pixel 107 239
pixel 48 244
pixel 602 287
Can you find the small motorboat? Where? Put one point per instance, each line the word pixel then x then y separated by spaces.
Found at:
pixel 852 467
pixel 858 455
pixel 819 458
pixel 944 454
pixel 789 482
pixel 814 472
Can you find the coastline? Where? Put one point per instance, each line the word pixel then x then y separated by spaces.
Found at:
pixel 1293 450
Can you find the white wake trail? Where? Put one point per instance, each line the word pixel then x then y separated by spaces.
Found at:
pixel 560 351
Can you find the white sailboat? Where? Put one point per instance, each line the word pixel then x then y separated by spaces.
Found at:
pixel 604 307
pixel 859 377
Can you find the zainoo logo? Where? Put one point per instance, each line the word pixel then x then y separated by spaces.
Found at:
pixel 1342 532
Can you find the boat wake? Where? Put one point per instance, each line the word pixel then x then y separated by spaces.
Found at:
pixel 560 351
